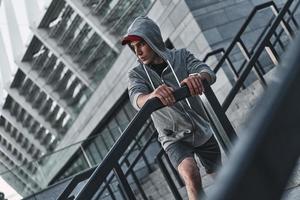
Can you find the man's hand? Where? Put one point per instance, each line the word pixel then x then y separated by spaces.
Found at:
pixel 194 83
pixel 165 95
pixel 163 92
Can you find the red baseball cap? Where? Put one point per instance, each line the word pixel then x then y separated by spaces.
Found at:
pixel 130 38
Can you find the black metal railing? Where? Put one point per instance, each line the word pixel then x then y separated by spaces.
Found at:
pixel 133 149
pixel 253 59
pixel 237 40
pixel 130 166
pixel 167 175
pixel 281 18
pixel 261 163
pixel 103 173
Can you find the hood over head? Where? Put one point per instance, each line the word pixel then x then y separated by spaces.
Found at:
pixel 147 29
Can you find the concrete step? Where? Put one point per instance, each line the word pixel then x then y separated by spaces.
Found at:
pixel 156 187
pixel 292 194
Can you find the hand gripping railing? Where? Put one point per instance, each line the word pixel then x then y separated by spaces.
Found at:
pixel 110 162
pixel 121 145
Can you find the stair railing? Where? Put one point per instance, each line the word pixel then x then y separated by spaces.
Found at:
pixel 237 40
pixel 262 163
pixel 95 178
pixel 253 59
pixel 263 42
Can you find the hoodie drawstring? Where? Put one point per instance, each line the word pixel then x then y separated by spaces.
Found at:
pixel 149 77
pixel 177 80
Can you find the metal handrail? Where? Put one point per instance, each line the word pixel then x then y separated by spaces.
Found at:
pixel 86 174
pixel 228 61
pixel 111 160
pixel 121 144
pixel 262 45
pixel 264 38
pixel 291 18
pixel 247 54
pixel 212 53
pixel 255 46
pixel 237 40
pixel 242 30
pixel 167 176
pixel 134 162
pixel 254 170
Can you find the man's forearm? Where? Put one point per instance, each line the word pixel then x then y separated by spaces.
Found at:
pixel 163 92
pixel 141 100
pixel 205 76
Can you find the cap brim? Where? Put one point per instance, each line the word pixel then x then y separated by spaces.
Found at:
pixel 125 41
pixel 130 38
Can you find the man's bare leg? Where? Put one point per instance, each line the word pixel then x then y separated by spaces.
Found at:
pixel 190 173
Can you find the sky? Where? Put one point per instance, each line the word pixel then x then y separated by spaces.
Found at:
pixel 19 6
pixel 10 193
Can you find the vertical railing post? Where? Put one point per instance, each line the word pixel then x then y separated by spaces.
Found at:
pixel 85 156
pixel 168 178
pixel 136 181
pixel 257 67
pixel 224 129
pixel 174 171
pixel 125 187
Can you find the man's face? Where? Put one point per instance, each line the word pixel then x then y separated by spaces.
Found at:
pixel 144 52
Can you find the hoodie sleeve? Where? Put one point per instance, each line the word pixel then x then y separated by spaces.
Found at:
pixel 194 65
pixel 136 87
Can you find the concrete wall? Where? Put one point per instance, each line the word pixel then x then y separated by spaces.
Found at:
pixel 220 20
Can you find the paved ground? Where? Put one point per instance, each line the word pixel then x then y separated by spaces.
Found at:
pixel 293 188
pixel 292 194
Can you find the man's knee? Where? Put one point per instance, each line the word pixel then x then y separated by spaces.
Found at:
pixel 189 170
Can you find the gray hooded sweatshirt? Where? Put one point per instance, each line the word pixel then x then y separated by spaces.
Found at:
pixel 185 120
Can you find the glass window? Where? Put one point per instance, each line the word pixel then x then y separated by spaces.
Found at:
pixel 106 135
pixel 114 129
pixel 122 119
pixel 93 153
pixel 129 110
pixel 102 146
pixel 99 146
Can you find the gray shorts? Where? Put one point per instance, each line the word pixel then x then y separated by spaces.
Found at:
pixel 209 154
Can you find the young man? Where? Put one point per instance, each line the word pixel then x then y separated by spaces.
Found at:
pixel 183 127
